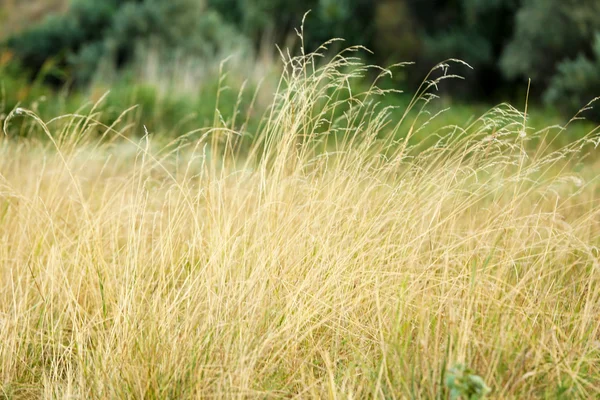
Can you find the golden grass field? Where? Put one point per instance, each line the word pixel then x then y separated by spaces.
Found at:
pixel 327 257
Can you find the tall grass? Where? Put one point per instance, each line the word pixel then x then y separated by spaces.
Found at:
pixel 324 255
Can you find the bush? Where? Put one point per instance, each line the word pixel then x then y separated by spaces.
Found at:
pixel 563 63
pixel 576 82
pixel 92 30
pixel 349 19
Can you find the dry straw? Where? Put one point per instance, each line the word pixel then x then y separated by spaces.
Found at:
pixel 327 254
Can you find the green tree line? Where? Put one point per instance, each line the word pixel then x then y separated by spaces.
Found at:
pixel 555 43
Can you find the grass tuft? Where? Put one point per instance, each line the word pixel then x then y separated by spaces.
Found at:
pixel 342 249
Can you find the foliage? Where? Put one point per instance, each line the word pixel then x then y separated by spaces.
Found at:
pixel 505 41
pixel 535 51
pixel 464 384
pixel 576 82
pixel 276 19
pixel 16 15
pixel 553 44
pixel 92 30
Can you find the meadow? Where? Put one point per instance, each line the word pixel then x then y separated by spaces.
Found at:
pixel 336 246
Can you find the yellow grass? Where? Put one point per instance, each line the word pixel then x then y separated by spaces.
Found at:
pixel 329 259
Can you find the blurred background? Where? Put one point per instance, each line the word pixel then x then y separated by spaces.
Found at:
pixel 165 54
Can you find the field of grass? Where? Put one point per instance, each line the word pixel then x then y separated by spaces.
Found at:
pixel 323 255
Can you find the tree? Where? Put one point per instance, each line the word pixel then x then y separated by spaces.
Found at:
pixel 553 44
pixel 91 30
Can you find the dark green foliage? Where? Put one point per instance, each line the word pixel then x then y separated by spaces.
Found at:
pixel 505 41
pixel 92 30
pixel 464 384
pixel 61 36
pixel 351 20
pixel 548 32
pixel 576 82
pixel 553 44
pixel 471 30
pixel 50 39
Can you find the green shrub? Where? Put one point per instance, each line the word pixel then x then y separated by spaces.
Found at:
pixel 464 384
pixel 577 82
pixel 277 19
pixel 92 30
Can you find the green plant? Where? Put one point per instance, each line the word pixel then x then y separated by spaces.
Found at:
pixel 464 384
pixel 576 82
pixel 91 31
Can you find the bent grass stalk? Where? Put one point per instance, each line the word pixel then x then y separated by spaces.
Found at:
pixel 331 257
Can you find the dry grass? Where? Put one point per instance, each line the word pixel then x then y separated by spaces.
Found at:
pixel 329 259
